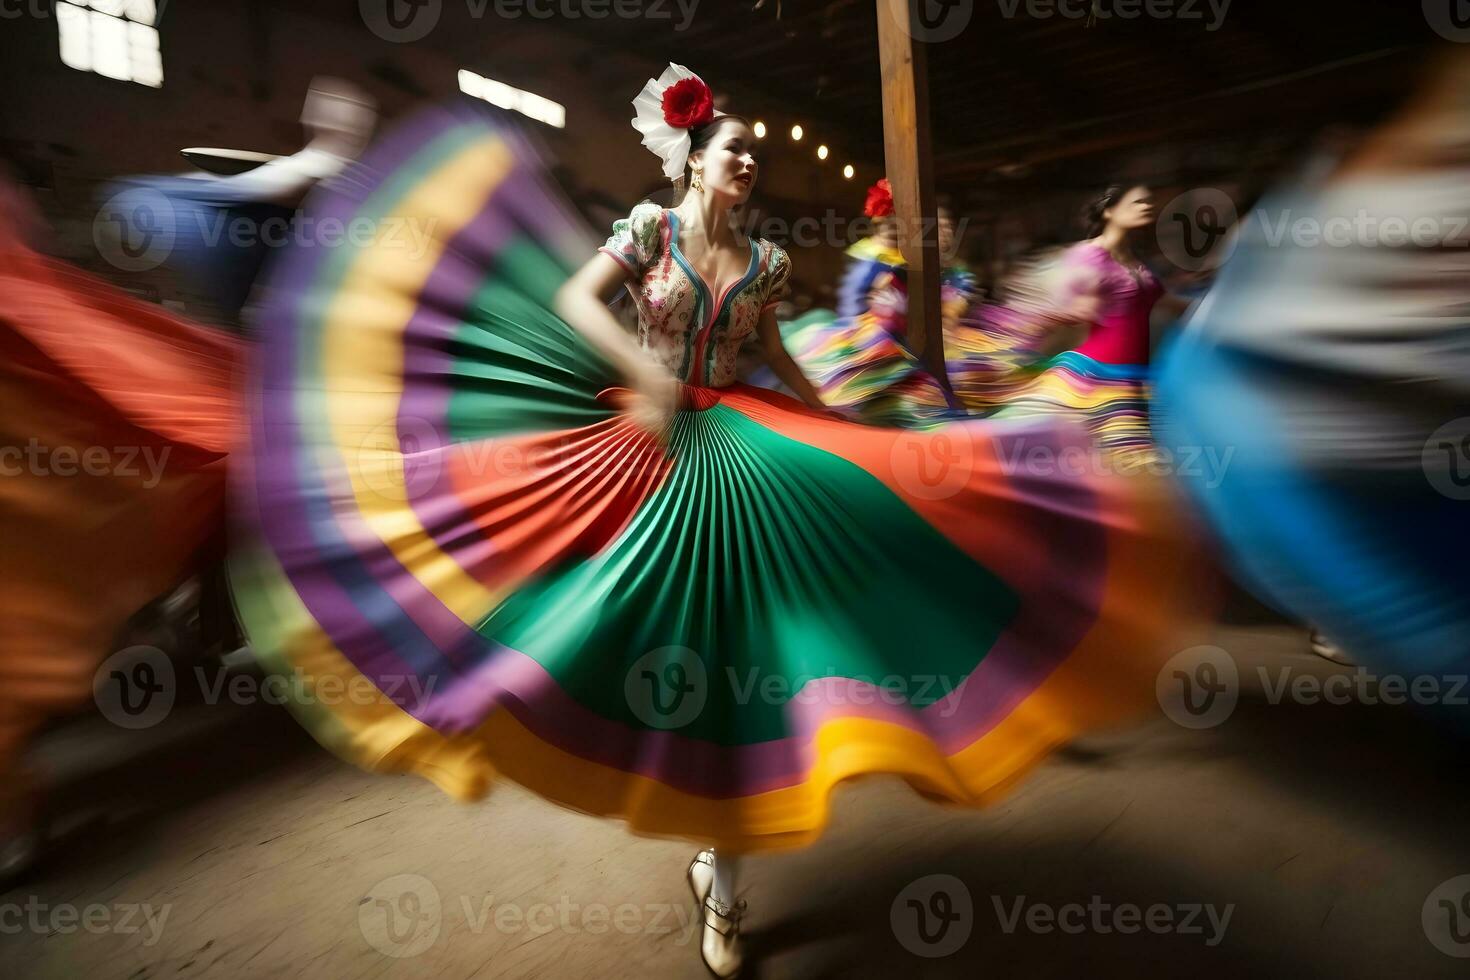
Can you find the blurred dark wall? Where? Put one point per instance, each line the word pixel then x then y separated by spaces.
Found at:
pixel 235 73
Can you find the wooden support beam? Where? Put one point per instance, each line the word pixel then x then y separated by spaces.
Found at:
pixel 910 162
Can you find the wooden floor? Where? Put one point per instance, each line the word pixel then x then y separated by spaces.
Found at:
pixel 1323 829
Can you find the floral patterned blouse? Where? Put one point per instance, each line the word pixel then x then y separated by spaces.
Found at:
pixel 688 329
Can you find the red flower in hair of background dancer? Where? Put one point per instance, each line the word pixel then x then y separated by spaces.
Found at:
pixel 688 103
pixel 880 200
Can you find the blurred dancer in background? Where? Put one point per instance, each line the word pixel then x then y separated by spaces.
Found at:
pixel 859 357
pixel 999 360
pixel 1338 372
pixel 222 229
pixel 556 548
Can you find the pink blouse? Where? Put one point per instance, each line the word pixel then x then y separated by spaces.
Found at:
pixel 1120 333
pixel 688 329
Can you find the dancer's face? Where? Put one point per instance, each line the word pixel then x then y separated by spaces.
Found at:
pixel 1135 209
pixel 945 234
pixel 729 167
pixel 885 231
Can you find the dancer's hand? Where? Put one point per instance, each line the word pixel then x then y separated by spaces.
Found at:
pixel 581 302
pixel 655 399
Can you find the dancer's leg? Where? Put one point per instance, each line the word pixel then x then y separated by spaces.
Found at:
pixel 720 943
pixel 727 868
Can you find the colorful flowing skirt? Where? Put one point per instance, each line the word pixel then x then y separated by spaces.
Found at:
pixel 863 371
pixel 1111 400
pixel 988 352
pixel 115 419
pixel 474 563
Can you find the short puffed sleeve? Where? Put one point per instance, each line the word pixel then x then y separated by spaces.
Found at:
pixel 1082 270
pixel 778 275
pixel 636 239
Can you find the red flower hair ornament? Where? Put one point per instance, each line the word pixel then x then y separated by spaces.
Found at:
pixel 880 200
pixel 688 103
pixel 667 108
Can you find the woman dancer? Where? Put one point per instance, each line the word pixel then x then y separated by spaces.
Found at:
pixel 859 357
pixel 562 553
pixel 1107 288
pixel 1104 380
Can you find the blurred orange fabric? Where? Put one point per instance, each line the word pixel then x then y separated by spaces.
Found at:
pixel 116 419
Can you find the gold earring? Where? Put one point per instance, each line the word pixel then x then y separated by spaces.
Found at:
pixel 695 184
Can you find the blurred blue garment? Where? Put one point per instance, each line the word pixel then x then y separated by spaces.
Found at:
pixel 218 236
pixel 1337 379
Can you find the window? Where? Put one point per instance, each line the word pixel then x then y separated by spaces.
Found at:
pixel 116 38
pixel 514 99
